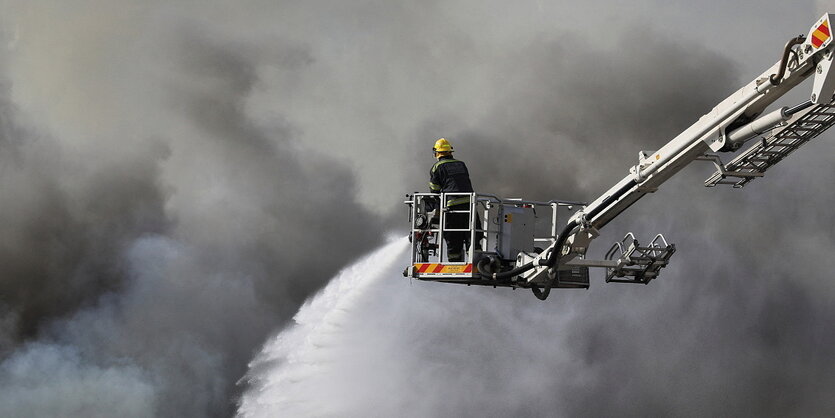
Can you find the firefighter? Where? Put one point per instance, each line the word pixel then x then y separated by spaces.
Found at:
pixel 449 175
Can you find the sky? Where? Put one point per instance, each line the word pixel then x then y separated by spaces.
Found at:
pixel 177 178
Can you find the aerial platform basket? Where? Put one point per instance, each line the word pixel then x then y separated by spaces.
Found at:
pixel 496 232
pixel 502 234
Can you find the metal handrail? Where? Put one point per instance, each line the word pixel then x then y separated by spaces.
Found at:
pixel 487 207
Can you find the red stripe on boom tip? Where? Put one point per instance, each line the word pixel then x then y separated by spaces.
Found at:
pixel 468 269
pixel 816 41
pixel 823 28
pixel 438 268
pixel 422 268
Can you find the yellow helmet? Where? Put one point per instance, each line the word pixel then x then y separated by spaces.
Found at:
pixel 442 145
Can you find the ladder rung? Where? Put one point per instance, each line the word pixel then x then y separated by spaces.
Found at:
pixel 741 174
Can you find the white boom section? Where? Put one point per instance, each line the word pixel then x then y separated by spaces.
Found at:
pixel 709 132
pixel 725 128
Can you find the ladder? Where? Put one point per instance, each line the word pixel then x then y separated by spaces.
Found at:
pixel 771 149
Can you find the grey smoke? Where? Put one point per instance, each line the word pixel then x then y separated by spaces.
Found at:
pixel 176 178
pixel 154 232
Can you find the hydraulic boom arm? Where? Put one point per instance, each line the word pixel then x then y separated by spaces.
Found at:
pixel 725 128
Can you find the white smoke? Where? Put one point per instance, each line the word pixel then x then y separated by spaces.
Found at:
pixel 54 380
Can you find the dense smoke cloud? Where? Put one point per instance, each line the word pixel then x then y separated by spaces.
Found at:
pixel 153 232
pixel 177 178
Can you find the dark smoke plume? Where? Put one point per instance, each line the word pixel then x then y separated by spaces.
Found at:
pixel 151 242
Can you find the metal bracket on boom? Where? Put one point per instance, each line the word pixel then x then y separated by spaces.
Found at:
pixel 722 172
pixel 640 263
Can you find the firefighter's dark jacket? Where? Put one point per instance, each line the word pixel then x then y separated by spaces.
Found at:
pixel 450 175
